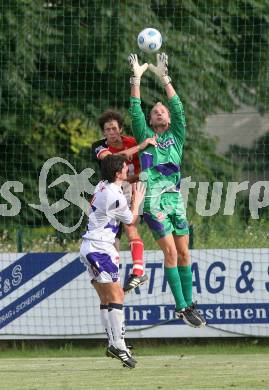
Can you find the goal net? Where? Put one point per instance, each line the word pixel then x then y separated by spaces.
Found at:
pixel 62 64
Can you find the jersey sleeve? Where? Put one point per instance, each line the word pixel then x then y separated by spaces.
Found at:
pixel 97 149
pixel 139 125
pixel 121 211
pixel 178 123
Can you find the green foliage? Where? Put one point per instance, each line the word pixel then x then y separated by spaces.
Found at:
pixel 63 62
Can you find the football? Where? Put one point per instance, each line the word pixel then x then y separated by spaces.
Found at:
pixel 149 40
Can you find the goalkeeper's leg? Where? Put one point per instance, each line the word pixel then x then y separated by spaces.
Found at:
pixel 184 311
pixel 185 274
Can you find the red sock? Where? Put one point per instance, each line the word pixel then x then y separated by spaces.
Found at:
pixel 137 250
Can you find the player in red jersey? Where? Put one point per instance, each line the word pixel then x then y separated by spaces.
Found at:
pixel 111 123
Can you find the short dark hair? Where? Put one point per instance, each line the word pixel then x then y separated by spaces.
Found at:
pixel 110 165
pixel 108 116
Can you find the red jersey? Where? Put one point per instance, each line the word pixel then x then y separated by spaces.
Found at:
pixel 128 142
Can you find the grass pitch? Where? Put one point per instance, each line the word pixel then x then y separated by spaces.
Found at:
pixel 215 371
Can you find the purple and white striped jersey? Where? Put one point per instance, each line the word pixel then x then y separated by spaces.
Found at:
pixel 107 209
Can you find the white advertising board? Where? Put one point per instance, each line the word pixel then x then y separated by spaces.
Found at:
pixel 49 295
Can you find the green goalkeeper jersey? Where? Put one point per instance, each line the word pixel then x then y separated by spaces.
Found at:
pixel 161 163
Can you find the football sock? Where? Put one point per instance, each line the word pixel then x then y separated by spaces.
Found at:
pixel 106 323
pixel 116 319
pixel 174 282
pixel 137 251
pixel 186 282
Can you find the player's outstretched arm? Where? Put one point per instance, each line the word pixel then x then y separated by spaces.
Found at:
pixel 138 195
pixel 161 71
pixel 137 70
pixel 128 152
pixel 139 125
pixel 178 124
pixel 135 149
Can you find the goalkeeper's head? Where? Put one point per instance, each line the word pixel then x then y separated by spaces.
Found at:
pixel 159 118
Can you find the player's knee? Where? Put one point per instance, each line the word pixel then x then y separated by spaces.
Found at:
pixel 133 236
pixel 170 262
pixel 135 240
pixel 116 295
pixel 120 296
pixel 183 252
pixel 104 301
pixel 171 253
pixel 170 259
pixel 184 256
pixel 131 232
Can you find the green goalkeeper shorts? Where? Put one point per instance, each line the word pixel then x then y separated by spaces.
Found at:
pixel 166 215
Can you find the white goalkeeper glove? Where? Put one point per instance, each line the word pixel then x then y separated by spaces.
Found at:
pixel 137 69
pixel 161 70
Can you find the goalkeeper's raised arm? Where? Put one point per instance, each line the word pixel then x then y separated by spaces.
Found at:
pixel 175 122
pixel 139 125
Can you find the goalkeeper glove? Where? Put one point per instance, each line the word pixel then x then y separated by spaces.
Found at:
pixel 137 69
pixel 161 70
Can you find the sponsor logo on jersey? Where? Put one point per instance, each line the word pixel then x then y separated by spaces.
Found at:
pixel 166 144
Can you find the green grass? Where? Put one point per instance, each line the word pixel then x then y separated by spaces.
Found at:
pixel 191 371
pixel 150 347
pixel 173 364
pixel 215 232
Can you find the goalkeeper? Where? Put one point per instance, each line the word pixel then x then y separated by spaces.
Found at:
pixel 164 210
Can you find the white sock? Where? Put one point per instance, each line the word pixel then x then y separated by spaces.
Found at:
pixel 116 319
pixel 106 323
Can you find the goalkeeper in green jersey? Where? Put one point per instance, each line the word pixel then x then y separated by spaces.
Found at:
pixel 164 210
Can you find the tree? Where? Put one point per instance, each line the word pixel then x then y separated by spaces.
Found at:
pixel 63 62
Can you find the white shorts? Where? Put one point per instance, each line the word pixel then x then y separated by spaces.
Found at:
pixel 101 260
